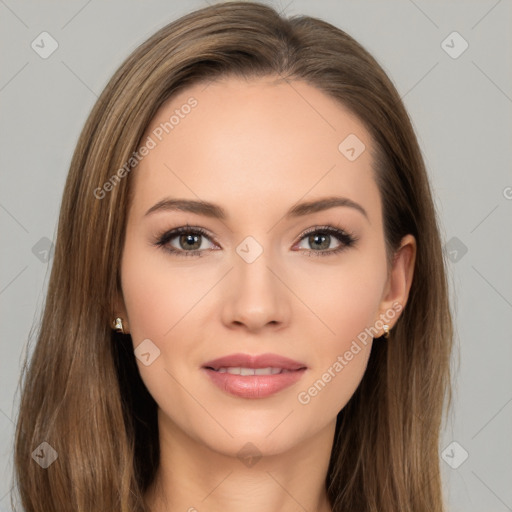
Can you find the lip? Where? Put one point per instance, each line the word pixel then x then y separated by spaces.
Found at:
pixel 255 361
pixel 254 386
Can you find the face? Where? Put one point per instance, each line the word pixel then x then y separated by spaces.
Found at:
pixel 267 277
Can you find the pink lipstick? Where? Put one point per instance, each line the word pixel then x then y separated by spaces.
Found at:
pixel 257 376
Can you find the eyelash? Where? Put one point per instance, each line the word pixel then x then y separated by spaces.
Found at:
pixel 345 238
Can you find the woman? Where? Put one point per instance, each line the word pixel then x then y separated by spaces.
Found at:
pixel 248 305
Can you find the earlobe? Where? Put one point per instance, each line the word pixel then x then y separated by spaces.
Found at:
pixel 120 324
pixel 119 316
pixel 400 276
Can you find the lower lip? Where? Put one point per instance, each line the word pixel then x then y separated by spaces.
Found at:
pixel 254 386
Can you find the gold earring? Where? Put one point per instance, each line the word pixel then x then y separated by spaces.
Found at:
pixel 118 325
pixel 386 331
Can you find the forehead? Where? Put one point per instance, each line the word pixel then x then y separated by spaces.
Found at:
pixel 250 143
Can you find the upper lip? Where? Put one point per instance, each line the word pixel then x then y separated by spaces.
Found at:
pixel 254 361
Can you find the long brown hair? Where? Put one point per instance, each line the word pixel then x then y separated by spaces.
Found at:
pixel 81 390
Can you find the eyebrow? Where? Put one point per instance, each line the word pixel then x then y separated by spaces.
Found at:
pixel 217 212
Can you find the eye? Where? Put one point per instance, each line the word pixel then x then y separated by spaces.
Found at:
pixel 320 239
pixel 189 240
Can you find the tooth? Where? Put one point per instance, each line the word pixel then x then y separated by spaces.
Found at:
pixel 240 370
pixel 263 371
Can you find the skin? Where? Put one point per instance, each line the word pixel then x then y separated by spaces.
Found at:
pixel 255 148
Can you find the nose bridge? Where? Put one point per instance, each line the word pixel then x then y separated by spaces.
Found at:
pixel 257 296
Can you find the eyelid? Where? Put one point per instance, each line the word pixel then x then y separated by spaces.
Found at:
pixel 345 237
pixel 327 229
pixel 169 234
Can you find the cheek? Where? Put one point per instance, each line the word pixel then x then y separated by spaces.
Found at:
pixel 157 301
pixel 345 298
pixel 348 307
pixel 355 303
pixel 340 359
pixel 155 295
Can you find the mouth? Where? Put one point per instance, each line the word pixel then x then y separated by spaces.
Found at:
pixel 248 376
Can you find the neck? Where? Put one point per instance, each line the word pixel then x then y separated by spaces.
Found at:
pixel 193 477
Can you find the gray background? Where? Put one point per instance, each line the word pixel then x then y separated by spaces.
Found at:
pixel 461 109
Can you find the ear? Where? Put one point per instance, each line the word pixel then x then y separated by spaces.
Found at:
pixel 400 277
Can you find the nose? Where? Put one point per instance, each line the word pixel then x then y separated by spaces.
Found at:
pixel 255 297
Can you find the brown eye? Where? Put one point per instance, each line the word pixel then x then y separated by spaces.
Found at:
pixel 189 241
